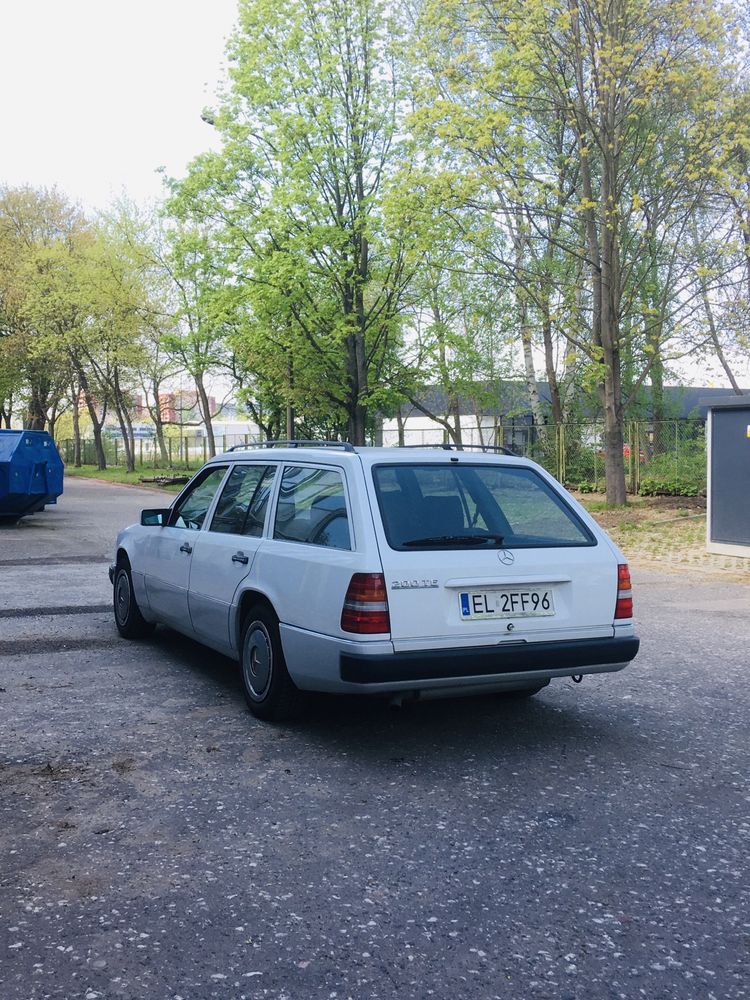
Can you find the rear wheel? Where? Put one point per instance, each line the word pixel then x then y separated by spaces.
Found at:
pixel 128 618
pixel 270 692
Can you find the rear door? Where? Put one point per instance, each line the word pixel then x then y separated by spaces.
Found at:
pixel 224 554
pixel 307 563
pixel 481 553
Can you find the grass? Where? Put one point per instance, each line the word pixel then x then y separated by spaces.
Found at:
pixel 117 474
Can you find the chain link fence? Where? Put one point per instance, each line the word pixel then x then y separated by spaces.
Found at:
pixel 660 457
pixel 184 453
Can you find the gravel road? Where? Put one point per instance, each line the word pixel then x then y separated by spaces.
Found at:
pixel 156 841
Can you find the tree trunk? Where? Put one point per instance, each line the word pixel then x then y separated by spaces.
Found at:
pixel 131 437
pixel 205 412
pixel 715 338
pixel 123 419
pixel 401 424
pixel 452 403
pixel 75 395
pixel 532 389
pixel 96 423
pixel 549 360
pixel 603 250
pixel 357 371
pixel 52 421
pixel 357 423
pixel 36 416
pixel 161 444
pixel 290 414
pixel 159 424
pixel 611 389
pixel 522 306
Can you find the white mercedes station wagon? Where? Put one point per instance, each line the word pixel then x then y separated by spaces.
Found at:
pixel 400 571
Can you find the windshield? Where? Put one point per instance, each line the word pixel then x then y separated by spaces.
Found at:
pixel 473 506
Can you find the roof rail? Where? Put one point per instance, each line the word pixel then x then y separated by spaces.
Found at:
pixel 345 445
pixel 498 448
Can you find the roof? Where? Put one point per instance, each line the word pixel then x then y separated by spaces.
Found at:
pixel 727 402
pixel 510 401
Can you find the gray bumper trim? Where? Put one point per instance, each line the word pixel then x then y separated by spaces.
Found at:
pixel 486 661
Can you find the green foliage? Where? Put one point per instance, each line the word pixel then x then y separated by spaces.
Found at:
pixel 682 474
pixel 412 196
pixel 583 485
pixel 314 206
pixel 592 130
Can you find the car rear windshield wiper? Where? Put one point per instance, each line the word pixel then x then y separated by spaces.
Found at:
pixel 454 540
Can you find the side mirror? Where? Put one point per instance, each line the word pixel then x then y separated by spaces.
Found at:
pixel 155 517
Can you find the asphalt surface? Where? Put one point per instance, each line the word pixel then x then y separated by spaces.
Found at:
pixel 156 841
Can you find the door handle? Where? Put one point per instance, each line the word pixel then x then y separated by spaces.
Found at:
pixel 240 557
pixel 186 547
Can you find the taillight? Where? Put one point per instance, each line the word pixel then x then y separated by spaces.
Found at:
pixel 366 605
pixel 624 605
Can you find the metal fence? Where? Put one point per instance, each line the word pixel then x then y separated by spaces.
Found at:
pixel 183 453
pixel 666 456
pixel 663 456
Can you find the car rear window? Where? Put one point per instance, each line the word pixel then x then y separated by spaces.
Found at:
pixel 472 506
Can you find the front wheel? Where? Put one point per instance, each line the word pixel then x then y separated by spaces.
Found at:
pixel 270 692
pixel 128 618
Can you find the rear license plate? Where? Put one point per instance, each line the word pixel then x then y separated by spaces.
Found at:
pixel 519 603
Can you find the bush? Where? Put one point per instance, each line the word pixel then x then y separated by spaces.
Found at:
pixel 585 486
pixel 678 475
pixel 584 469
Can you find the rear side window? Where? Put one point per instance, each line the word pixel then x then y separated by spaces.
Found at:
pixel 312 508
pixel 241 509
pixel 473 506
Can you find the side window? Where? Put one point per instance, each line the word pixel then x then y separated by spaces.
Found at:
pixel 312 508
pixel 241 509
pixel 190 510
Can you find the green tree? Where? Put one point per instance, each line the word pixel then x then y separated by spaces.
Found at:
pixel 35 225
pixel 313 199
pixel 606 80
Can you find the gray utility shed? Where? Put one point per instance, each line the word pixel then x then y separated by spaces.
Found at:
pixel 728 432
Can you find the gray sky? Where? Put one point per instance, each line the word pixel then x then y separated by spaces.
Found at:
pixel 96 95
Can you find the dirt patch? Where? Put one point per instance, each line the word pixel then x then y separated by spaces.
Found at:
pixel 643 509
pixel 668 532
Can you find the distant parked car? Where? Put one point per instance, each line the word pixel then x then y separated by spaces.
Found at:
pixel 411 572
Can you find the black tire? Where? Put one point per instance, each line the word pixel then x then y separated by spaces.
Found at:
pixel 525 692
pixel 270 692
pixel 128 618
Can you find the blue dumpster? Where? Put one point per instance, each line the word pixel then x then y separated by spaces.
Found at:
pixel 31 473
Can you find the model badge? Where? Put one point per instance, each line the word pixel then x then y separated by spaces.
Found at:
pixel 413 584
pixel 506 558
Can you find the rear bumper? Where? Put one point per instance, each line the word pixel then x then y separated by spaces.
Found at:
pixel 552 659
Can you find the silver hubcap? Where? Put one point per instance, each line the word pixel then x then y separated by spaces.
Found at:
pixel 257 661
pixel 122 598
